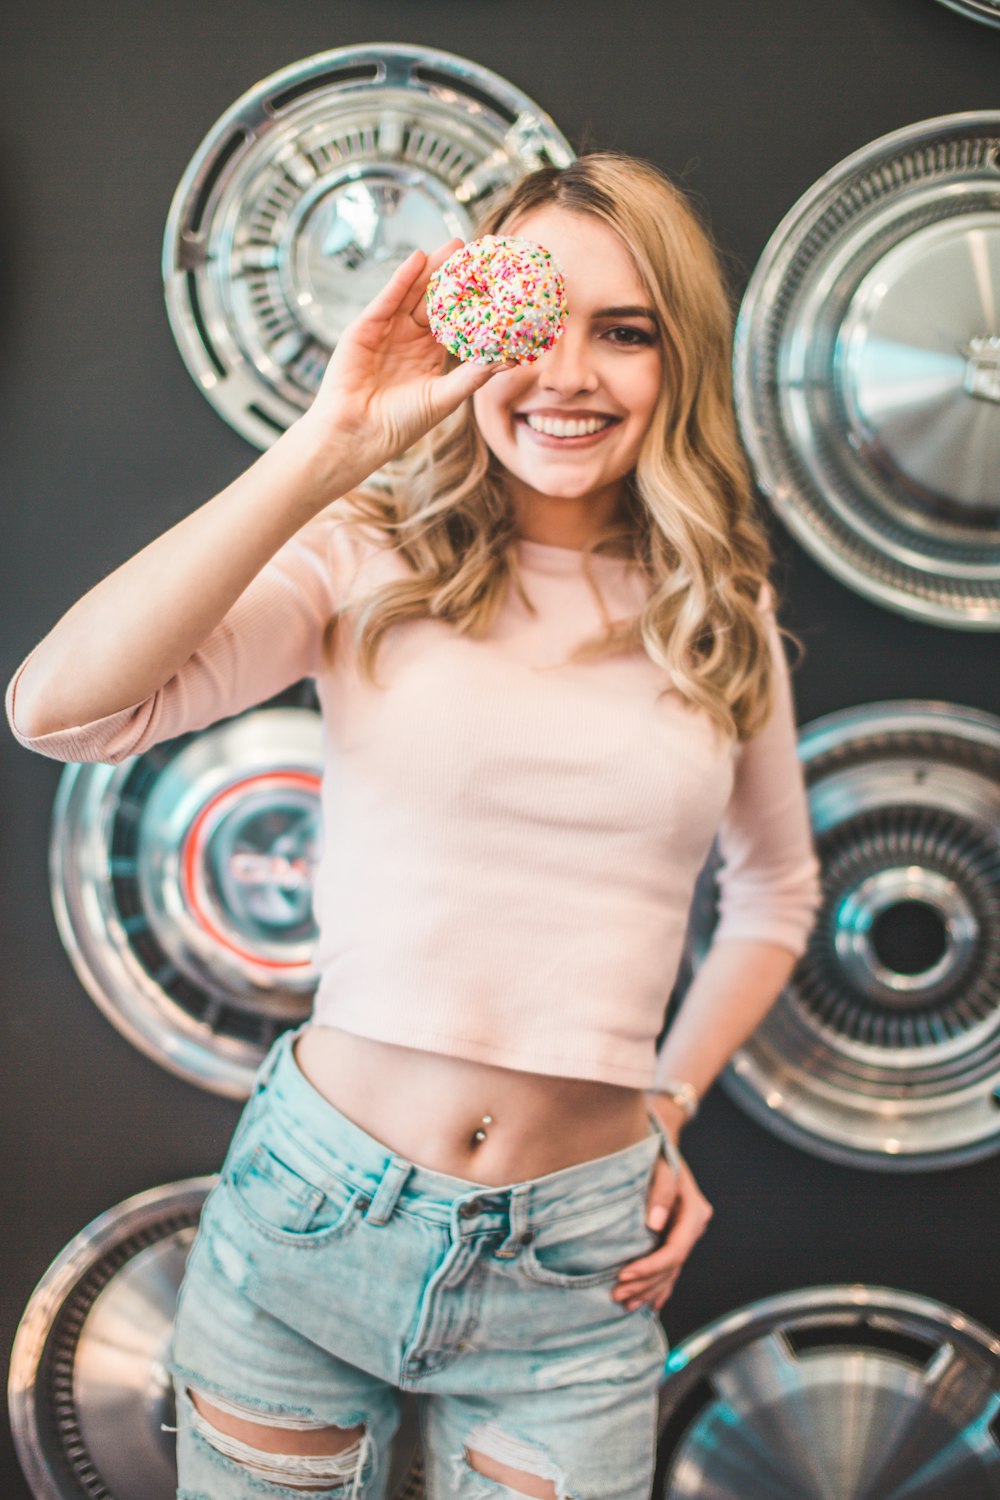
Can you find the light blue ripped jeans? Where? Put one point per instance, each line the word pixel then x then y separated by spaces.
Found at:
pixel 329 1274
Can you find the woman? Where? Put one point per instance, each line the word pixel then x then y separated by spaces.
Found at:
pixel 549 674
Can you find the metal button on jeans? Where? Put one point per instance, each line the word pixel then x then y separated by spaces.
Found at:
pixel 470 1209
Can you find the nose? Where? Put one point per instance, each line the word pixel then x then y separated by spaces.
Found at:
pixel 568 367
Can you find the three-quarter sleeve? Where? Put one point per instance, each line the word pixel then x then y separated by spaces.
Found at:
pixel 269 639
pixel 769 879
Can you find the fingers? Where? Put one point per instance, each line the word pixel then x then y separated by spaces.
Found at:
pixel 458 385
pixel 691 1216
pixel 638 1289
pixel 662 1195
pixel 398 289
pixel 663 1296
pixel 416 304
pixel 405 289
pixel 664 1258
pixel 652 1277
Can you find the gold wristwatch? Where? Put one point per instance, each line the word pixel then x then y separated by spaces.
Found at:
pixel 681 1093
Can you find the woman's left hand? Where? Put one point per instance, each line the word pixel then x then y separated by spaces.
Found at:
pixel 686 1213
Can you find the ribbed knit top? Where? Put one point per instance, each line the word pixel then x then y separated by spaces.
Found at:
pixel 511 840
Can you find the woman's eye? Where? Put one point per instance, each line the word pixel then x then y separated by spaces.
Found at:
pixel 629 336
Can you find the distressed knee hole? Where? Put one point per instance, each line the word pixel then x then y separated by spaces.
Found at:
pixel 519 1480
pixel 291 1451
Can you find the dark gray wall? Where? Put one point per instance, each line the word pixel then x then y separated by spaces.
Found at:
pixel 105 442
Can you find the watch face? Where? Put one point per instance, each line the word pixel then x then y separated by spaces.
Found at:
pixel 884 1049
pixel 867 371
pixel 832 1390
pixel 182 886
pixel 684 1095
pixel 308 193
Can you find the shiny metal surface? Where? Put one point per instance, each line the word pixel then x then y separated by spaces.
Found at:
pixel 977 10
pixel 88 1388
pixel 308 193
pixel 182 887
pixel 89 1393
pixel 833 1393
pixel 884 1049
pixel 867 370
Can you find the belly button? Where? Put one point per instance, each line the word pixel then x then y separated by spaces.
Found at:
pixel 480 1135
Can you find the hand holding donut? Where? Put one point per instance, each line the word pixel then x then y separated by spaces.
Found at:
pixel 499 298
pixel 385 385
pixel 492 303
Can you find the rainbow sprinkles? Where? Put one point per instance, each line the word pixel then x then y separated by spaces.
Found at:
pixel 498 298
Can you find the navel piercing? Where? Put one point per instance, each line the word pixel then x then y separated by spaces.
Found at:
pixel 480 1135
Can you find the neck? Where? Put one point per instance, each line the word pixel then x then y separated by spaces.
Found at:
pixel 555 522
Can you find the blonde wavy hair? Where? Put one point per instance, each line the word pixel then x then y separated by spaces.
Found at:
pixel 690 520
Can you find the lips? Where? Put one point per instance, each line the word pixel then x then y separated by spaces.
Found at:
pixel 573 429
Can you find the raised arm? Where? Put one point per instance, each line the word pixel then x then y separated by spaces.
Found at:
pixel 133 631
pixel 138 628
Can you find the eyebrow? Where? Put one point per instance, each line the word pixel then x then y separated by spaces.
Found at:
pixel 626 312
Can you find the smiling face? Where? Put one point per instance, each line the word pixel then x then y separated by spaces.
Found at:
pixel 569 427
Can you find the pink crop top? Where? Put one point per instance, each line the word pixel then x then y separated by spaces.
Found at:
pixel 511 840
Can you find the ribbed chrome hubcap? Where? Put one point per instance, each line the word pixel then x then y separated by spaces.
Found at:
pixel 867 370
pixel 308 193
pixel 833 1393
pixel 884 1049
pixel 89 1392
pixel 182 887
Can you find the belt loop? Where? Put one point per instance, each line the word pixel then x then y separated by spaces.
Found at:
pixel 668 1145
pixel 518 1214
pixel 388 1190
pixel 272 1057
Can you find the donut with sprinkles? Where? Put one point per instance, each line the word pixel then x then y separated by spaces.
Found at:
pixel 498 298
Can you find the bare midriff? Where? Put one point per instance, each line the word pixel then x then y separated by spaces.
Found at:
pixel 473 1120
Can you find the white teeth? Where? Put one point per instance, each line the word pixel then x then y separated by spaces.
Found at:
pixel 557 427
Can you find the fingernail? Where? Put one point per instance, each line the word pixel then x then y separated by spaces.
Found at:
pixel 657 1216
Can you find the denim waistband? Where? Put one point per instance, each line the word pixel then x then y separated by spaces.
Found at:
pixel 437 1195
